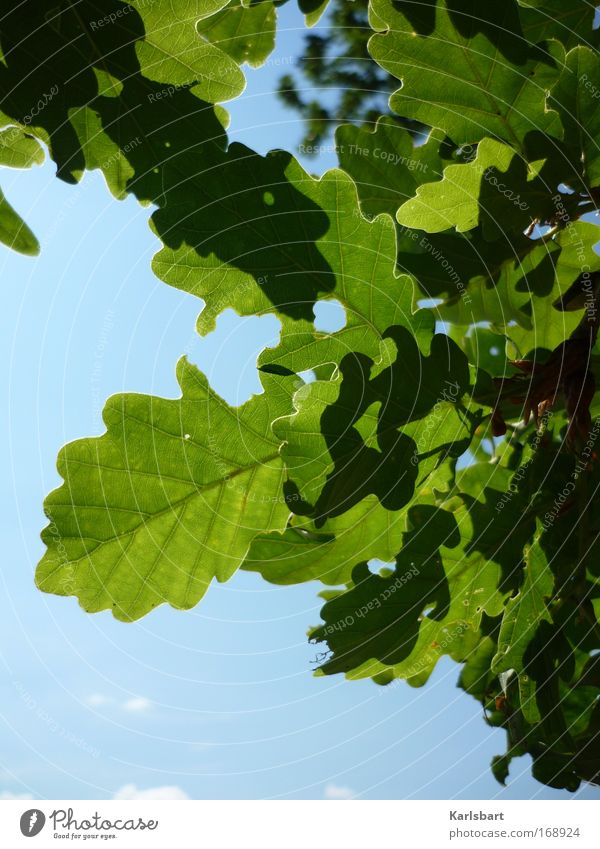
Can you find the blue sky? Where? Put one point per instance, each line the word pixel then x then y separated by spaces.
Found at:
pixel 217 702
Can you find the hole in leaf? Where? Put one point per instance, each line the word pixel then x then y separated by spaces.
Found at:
pixel 228 354
pixel 429 303
pixel 377 566
pixel 329 316
pixel 269 198
pixel 465 460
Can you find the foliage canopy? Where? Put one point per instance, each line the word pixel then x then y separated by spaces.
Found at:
pixel 439 475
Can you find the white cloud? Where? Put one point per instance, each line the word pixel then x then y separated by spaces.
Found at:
pixel 6 795
pixel 130 791
pixel 334 791
pixel 138 704
pixel 97 699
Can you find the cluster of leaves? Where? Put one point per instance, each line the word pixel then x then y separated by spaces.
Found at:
pixel 380 478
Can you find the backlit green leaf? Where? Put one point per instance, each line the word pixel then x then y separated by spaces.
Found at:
pixel 169 498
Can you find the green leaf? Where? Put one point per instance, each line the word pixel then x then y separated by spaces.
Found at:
pixel 230 219
pixel 18 150
pixel 312 10
pixel 500 768
pixel 576 97
pixel 62 65
pixel 476 675
pixel 170 497
pixel 327 554
pixel 147 140
pixel 510 283
pixel 173 52
pixel 497 190
pixel 386 165
pixel 240 248
pixel 477 78
pixel 547 327
pixel 483 348
pixel 375 430
pixel 571 23
pixel 429 606
pixel 245 31
pixel 500 526
pixel 236 243
pixel 520 624
pixel 14 232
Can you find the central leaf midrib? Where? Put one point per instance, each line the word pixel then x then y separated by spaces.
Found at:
pixel 170 508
